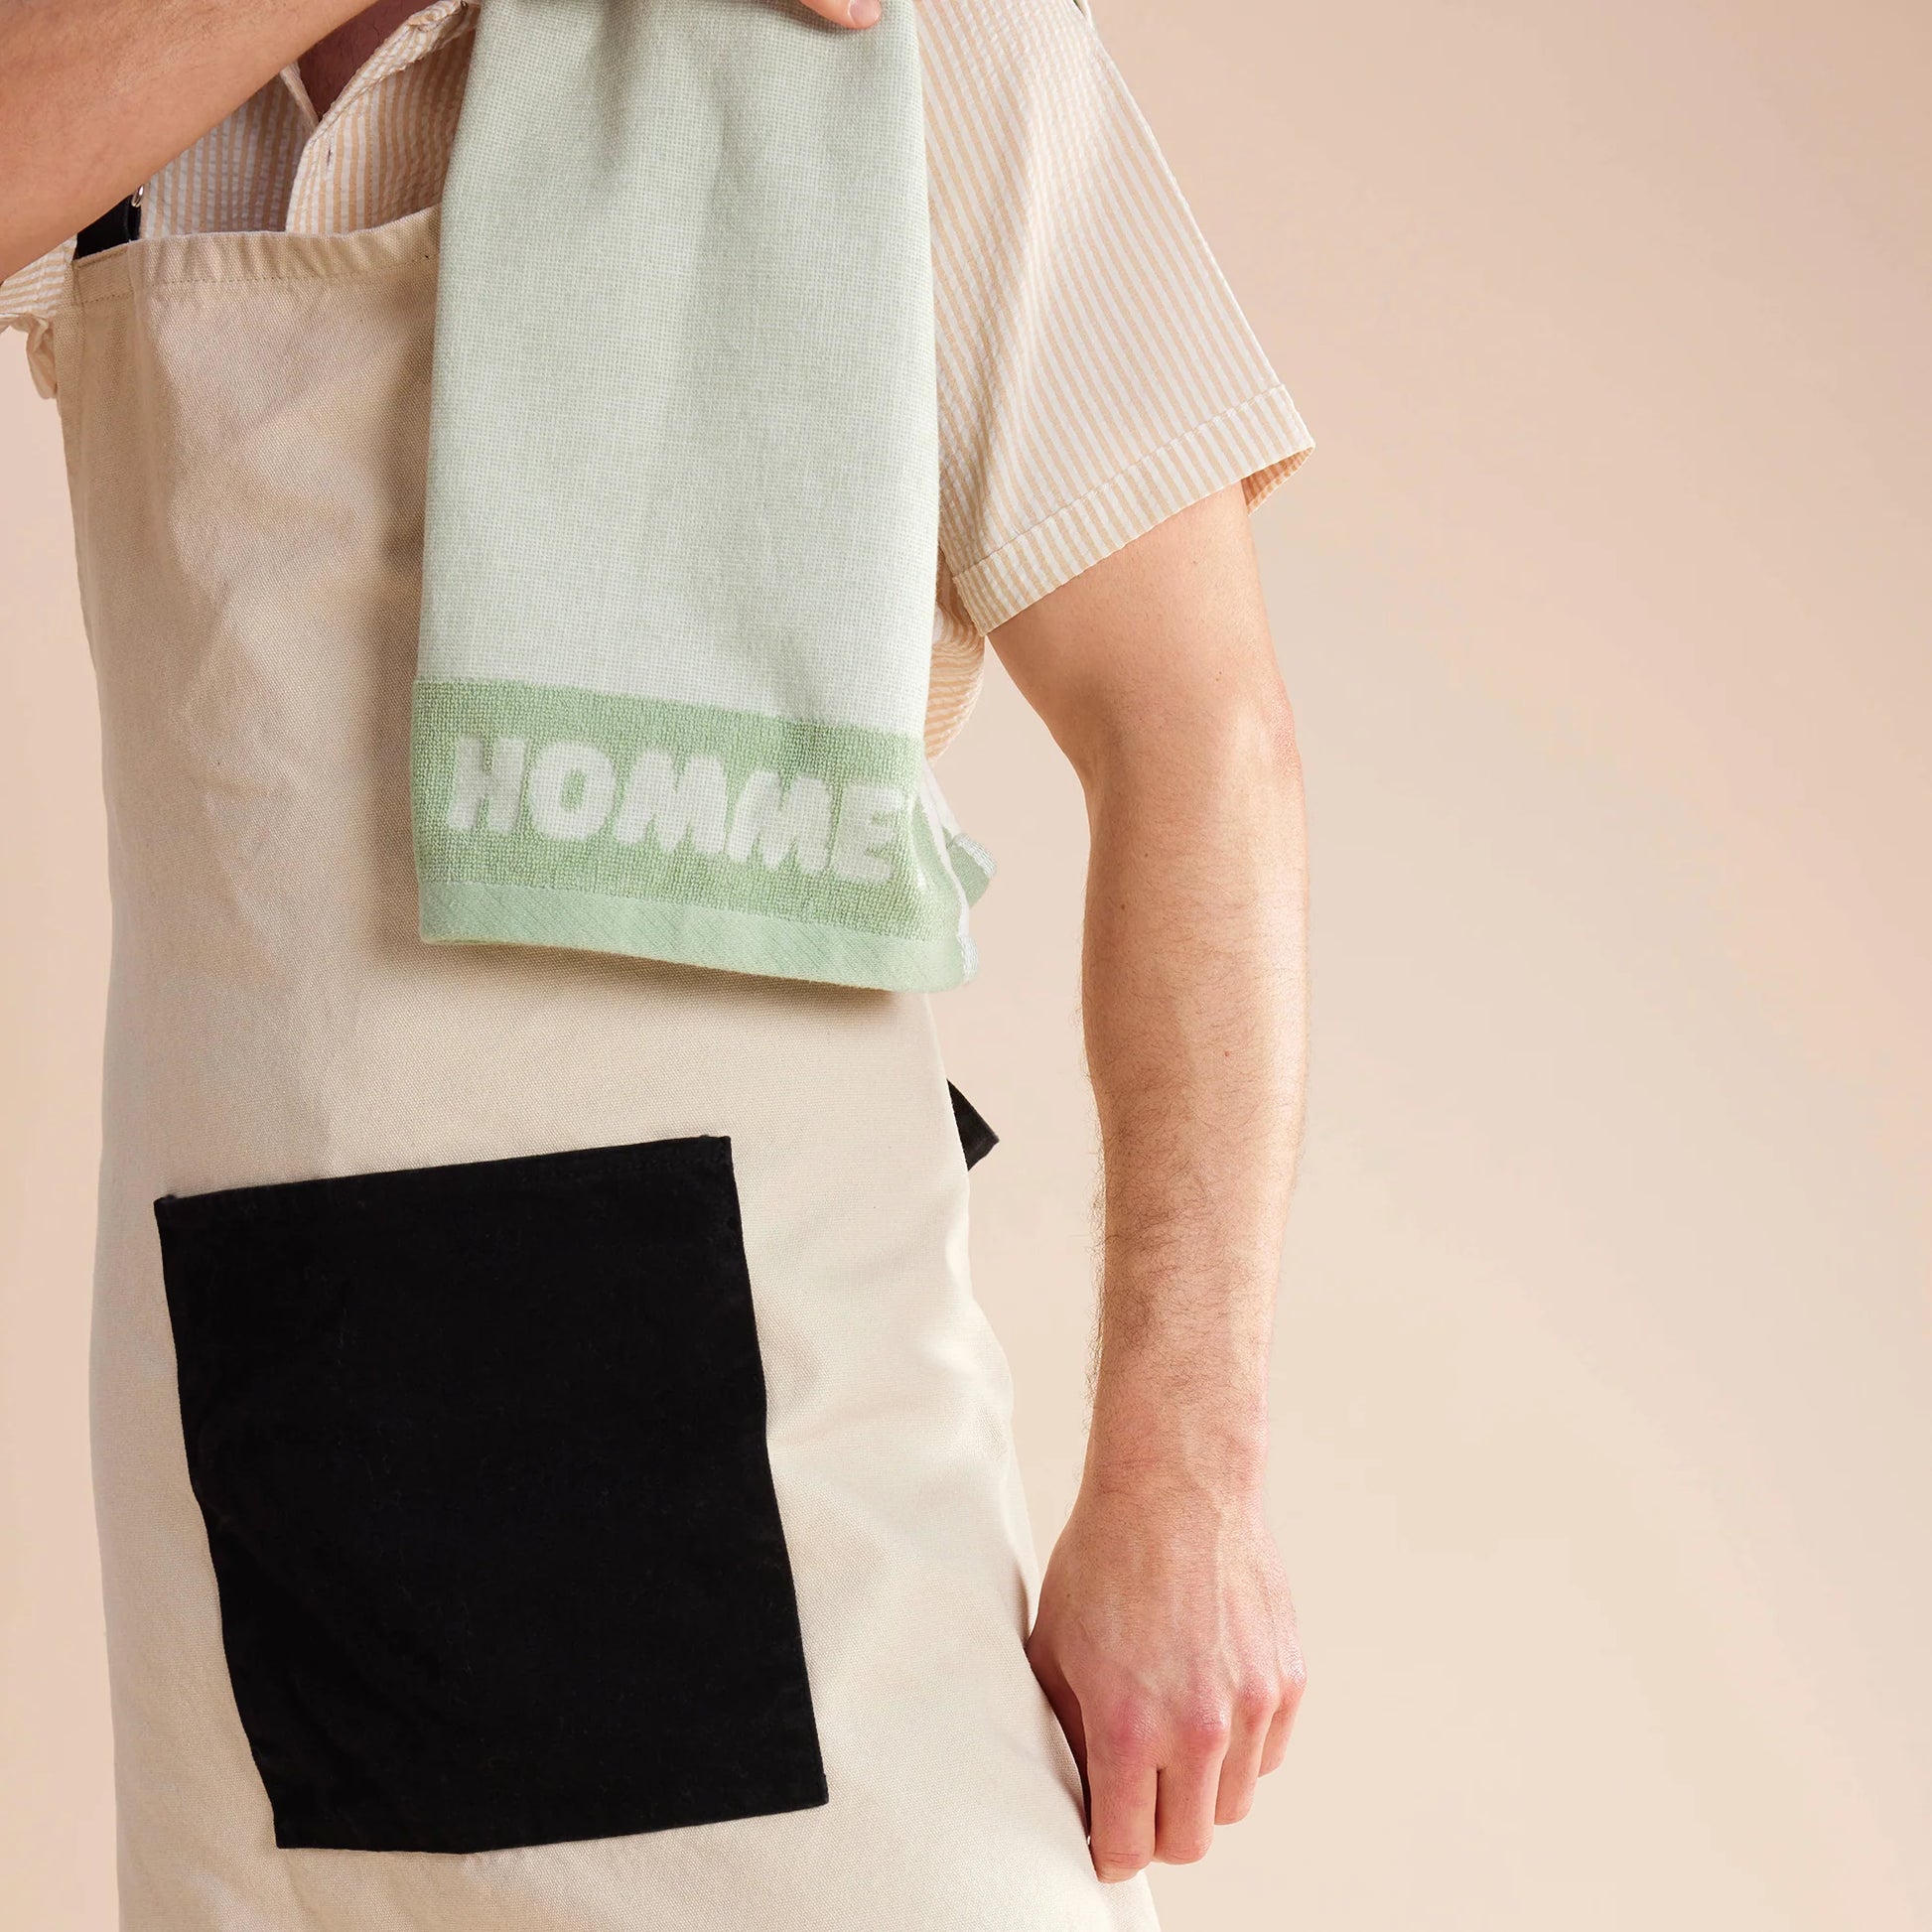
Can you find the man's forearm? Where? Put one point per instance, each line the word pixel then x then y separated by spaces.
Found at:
pixel 1194 1001
pixel 96 95
pixel 1164 1634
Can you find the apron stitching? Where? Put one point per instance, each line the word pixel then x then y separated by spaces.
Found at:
pixel 248 281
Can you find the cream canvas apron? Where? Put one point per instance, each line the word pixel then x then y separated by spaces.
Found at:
pixel 553 1475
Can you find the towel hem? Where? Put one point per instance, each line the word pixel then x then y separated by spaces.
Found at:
pixel 491 913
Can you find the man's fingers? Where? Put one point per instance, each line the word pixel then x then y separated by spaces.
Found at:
pixel 1275 1747
pixel 846 13
pixel 1067 1707
pixel 1185 1815
pixel 1122 1787
pixel 1253 1724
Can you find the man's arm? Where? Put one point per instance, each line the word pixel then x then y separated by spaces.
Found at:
pixel 97 95
pixel 1165 1638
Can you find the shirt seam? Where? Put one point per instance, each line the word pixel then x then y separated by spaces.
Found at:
pixel 1141 462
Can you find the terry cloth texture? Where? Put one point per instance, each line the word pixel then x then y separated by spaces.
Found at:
pixel 683 503
pixel 496 1566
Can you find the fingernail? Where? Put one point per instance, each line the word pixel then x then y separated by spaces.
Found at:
pixel 863 13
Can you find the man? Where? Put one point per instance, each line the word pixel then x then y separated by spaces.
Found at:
pixel 1109 421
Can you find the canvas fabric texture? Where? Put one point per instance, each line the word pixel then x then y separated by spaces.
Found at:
pixel 683 503
pixel 249 577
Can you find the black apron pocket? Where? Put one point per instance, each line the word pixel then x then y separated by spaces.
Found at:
pixel 480 1452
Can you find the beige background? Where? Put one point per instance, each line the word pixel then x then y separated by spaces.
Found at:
pixel 1603 1454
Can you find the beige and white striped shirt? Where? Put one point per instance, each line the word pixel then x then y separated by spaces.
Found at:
pixel 1095 372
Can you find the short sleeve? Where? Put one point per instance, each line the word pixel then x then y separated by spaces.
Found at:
pixel 30 299
pixel 1096 375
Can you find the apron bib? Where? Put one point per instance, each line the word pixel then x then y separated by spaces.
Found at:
pixel 552 1472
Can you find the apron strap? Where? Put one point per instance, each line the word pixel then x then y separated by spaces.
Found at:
pixel 976 1139
pixel 121 222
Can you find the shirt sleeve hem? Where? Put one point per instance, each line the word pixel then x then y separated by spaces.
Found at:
pixel 1258 444
pixel 29 301
pixel 39 348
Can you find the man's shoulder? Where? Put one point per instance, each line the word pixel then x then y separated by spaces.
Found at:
pixel 1002 31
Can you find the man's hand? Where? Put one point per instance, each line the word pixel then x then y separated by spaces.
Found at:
pixel 1165 1637
pixel 1166 1643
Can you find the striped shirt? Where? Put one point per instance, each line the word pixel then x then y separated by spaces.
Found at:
pixel 1095 372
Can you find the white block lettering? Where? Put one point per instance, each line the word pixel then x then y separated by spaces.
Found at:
pixel 779 821
pixel 571 789
pixel 497 786
pixel 573 793
pixel 657 799
pixel 868 826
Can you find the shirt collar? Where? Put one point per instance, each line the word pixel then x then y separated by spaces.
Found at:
pixel 421 34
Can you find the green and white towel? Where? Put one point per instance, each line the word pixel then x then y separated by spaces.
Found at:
pixel 683 500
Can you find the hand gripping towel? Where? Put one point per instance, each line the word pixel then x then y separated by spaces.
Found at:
pixel 682 512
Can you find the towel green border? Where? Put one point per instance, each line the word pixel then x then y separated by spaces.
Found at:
pixel 550 815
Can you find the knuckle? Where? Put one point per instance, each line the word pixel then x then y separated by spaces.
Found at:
pixel 1204 1728
pixel 1255 1701
pixel 1186 1848
pixel 1114 1864
pixel 1125 1728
